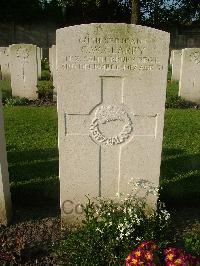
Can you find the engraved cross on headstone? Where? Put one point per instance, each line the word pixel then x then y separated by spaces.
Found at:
pixel 111 125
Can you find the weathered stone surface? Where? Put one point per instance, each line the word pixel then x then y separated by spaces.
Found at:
pixel 4 63
pixel 189 86
pixel 24 70
pixel 53 57
pixel 52 63
pixel 111 99
pixel 170 59
pixel 39 58
pixel 5 197
pixel 176 64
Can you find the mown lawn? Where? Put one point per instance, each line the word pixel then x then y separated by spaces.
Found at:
pixel 31 134
pixel 180 168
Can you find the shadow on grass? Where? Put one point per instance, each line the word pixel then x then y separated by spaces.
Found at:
pixel 180 178
pixel 30 165
pixel 34 181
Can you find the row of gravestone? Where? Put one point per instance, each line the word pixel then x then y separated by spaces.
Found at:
pixel 22 64
pixel 186 69
pixel 111 81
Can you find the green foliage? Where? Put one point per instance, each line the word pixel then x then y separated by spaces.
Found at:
pixel 5 87
pixel 45 75
pixel 192 240
pixel 16 101
pixel 177 102
pixel 45 90
pixel 31 10
pixel 155 13
pixel 45 64
pixel 169 74
pixel 110 230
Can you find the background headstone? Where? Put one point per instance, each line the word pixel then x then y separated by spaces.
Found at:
pixel 52 64
pixel 4 63
pixel 5 197
pixel 111 101
pixel 24 70
pixel 50 60
pixel 39 58
pixel 170 59
pixel 189 86
pixel 54 71
pixel 176 64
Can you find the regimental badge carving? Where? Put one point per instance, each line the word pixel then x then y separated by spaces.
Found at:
pixel 195 57
pixel 109 114
pixel 22 53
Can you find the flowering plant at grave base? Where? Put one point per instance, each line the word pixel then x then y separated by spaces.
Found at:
pixel 113 228
pixel 176 256
pixel 146 254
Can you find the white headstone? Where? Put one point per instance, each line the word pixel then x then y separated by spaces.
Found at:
pixel 4 63
pixel 189 86
pixel 50 60
pixel 39 57
pixel 24 70
pixel 176 64
pixel 111 100
pixel 54 71
pixel 5 197
pixel 170 59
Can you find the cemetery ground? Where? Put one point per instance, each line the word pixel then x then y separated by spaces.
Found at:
pixel 31 136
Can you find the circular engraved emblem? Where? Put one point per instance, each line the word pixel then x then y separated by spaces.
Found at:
pixel 22 52
pixel 108 119
pixel 195 57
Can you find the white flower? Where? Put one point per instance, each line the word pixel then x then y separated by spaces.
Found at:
pixel 99 230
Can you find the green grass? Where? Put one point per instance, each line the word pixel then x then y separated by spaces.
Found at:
pixel 31 134
pixel 172 89
pixel 5 87
pixel 180 169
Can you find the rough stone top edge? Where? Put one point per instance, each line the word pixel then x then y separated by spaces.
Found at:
pixel 30 44
pixel 126 24
pixel 190 49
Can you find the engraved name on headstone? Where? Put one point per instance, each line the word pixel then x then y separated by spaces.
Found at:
pixel 111 98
